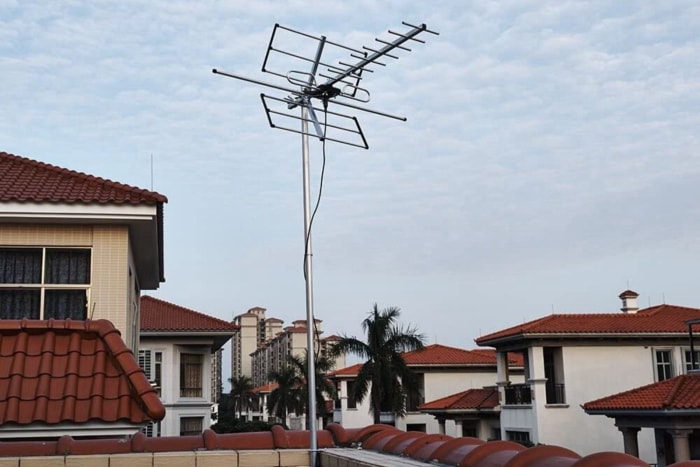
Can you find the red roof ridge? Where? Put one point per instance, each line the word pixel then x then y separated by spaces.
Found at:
pixel 677 384
pixel 18 188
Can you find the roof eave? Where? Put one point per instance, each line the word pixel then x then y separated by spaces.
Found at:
pixel 577 335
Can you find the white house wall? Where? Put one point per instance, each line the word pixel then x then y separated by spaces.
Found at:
pixel 590 372
pixel 175 406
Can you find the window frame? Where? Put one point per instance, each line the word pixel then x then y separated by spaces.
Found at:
pixel 687 360
pixel 658 365
pixel 42 287
pixel 191 432
pixel 183 390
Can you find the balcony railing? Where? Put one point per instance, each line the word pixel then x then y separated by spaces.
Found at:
pixel 518 394
pixel 555 393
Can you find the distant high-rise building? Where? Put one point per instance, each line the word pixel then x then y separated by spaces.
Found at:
pixel 254 331
pixel 262 344
pixel 216 383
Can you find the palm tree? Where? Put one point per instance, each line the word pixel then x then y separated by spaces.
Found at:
pixel 286 397
pixel 324 386
pixel 241 392
pixel 385 373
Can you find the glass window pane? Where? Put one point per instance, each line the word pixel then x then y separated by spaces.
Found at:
pixel 20 266
pixel 19 303
pixel 191 375
pixel 64 304
pixel 67 266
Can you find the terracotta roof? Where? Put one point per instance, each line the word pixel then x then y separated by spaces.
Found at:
pixel 265 388
pixel 437 354
pixel 351 370
pixel 679 393
pixel 382 444
pixel 655 320
pixel 161 316
pixel 71 371
pixel 23 179
pixel 485 398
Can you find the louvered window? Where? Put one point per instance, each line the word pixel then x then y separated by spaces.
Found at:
pixel 151 363
pixel 44 283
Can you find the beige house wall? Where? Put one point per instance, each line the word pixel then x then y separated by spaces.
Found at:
pixel 112 289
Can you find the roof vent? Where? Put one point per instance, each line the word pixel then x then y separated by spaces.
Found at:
pixel 629 301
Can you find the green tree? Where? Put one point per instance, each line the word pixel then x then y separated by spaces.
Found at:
pixel 325 389
pixel 384 374
pixel 286 397
pixel 241 393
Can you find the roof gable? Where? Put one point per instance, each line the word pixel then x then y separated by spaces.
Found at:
pixel 438 354
pixel 54 372
pixel 679 393
pixel 161 316
pixel 23 179
pixel 655 320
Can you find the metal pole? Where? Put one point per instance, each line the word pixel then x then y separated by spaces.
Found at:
pixel 311 354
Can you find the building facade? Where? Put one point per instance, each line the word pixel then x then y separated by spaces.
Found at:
pixel 575 358
pixel 176 350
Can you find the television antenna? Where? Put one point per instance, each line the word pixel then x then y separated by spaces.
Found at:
pixel 315 73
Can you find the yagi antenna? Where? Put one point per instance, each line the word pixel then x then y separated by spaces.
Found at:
pixel 316 73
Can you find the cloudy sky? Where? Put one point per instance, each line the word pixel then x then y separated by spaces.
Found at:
pixel 549 161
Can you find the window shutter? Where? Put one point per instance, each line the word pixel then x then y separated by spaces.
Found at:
pixel 145 363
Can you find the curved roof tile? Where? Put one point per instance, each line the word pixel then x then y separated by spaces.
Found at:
pixel 71 371
pixel 23 179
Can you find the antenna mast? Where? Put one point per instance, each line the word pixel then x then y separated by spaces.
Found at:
pixel 330 79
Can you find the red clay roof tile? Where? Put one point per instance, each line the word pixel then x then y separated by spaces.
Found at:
pixel 655 320
pixel 23 179
pixel 437 354
pixel 161 316
pixel 485 398
pixel 71 371
pixel 679 393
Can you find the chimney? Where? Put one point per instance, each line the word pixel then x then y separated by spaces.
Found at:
pixel 629 301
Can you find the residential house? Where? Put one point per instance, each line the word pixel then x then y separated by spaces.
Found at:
pixel 75 252
pixel 671 408
pixel 441 371
pixel 177 344
pixel 75 246
pixel 571 359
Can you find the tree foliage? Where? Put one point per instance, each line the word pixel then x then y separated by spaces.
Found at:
pixel 384 374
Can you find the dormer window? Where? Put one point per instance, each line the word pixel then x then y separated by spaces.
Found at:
pixel 44 283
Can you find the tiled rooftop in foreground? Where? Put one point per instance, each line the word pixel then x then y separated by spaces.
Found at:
pixel 375 445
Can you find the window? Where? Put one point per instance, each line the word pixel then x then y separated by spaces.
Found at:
pixel 522 437
pixel 191 426
pixel 151 363
pixel 44 283
pixel 664 367
pixel 415 427
pixel 554 372
pixel 151 429
pixel 417 398
pixel 688 361
pixel 191 375
pixel 352 402
pixel 469 429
